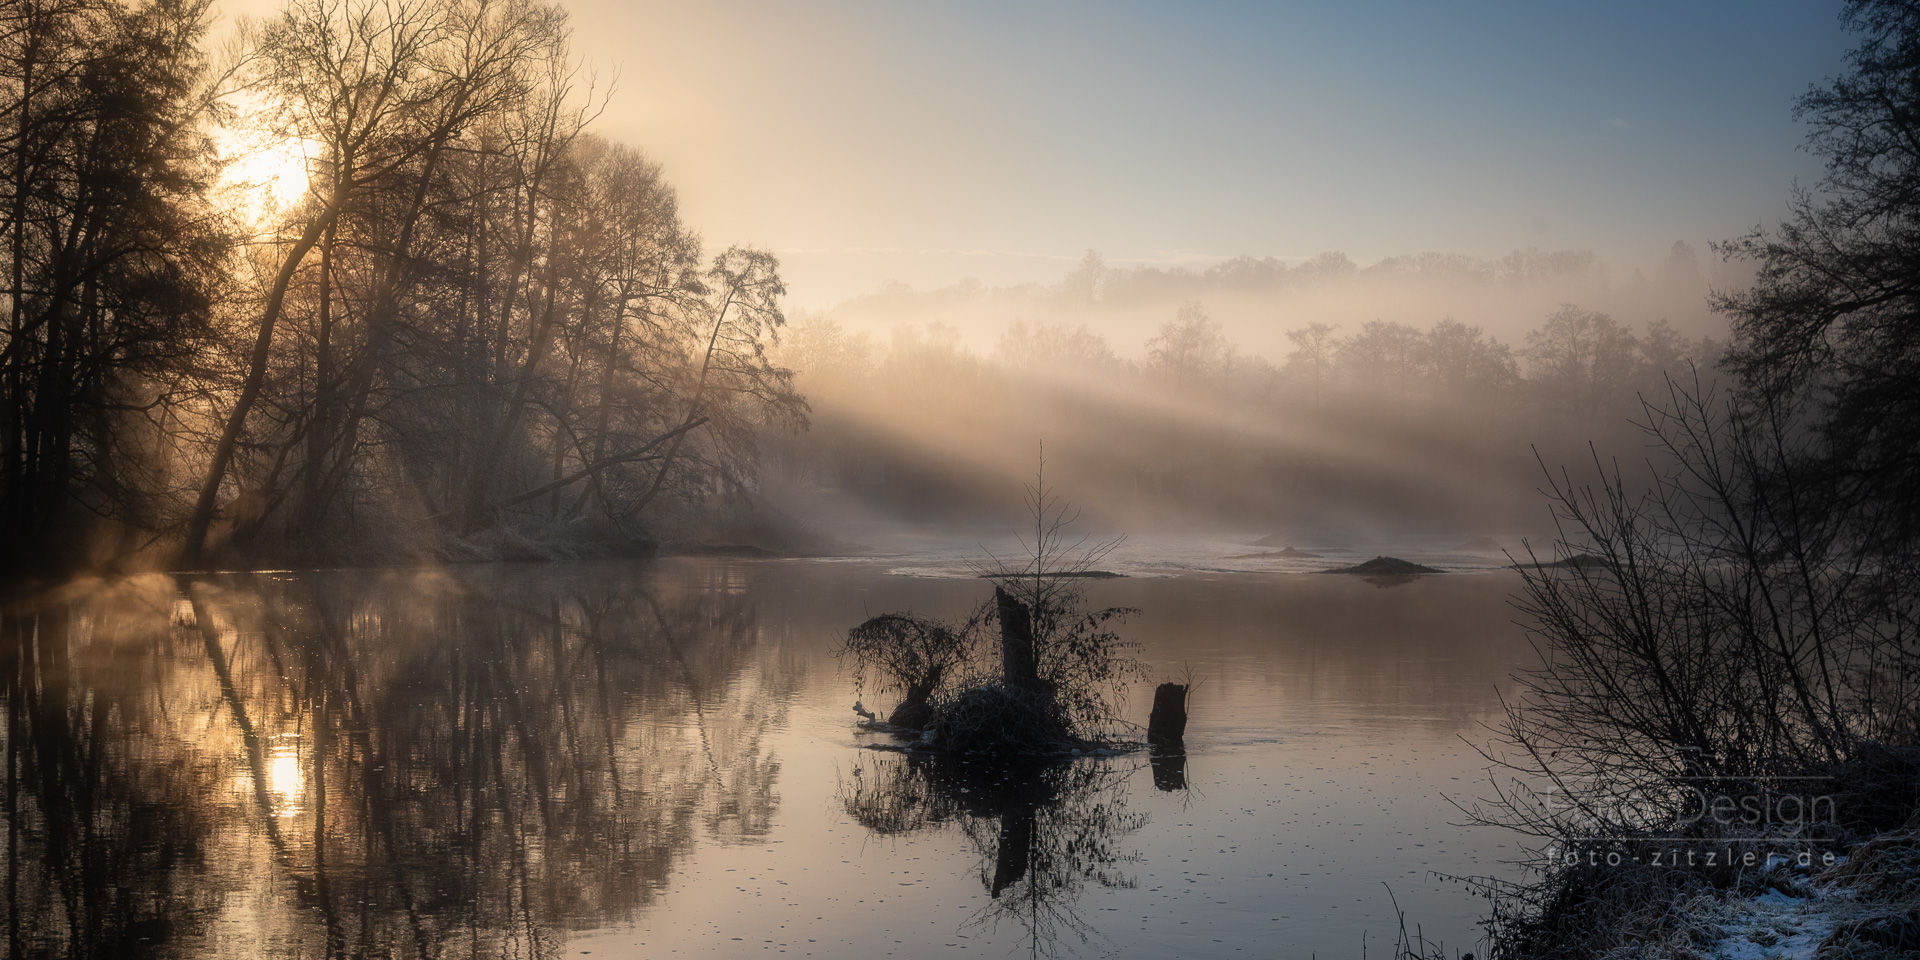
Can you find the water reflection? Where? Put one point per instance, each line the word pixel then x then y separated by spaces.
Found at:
pixel 1169 770
pixel 1042 829
pixel 638 759
pixel 351 764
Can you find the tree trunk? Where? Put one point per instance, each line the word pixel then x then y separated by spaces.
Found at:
pixel 1018 661
pixel 13 446
pixel 320 425
pixel 474 503
pixel 202 518
pixel 604 418
pixel 693 409
pixel 1167 725
pixel 338 444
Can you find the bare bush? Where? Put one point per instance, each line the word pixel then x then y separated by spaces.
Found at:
pixel 1075 649
pixel 909 655
pixel 1001 719
pixel 1726 632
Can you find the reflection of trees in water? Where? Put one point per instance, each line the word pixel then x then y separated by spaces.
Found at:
pixel 1043 828
pixel 360 764
pixel 74 776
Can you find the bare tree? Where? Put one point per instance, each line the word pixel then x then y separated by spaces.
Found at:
pixel 346 74
pixel 1719 629
pixel 1313 352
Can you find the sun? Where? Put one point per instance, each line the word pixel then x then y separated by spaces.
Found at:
pixel 262 175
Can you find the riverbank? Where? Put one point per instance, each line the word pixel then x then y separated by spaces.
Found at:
pixel 1864 907
pixel 1843 885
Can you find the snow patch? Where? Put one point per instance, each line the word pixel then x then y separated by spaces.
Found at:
pixel 1772 926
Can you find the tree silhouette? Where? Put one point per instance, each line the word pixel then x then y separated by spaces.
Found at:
pixel 1830 328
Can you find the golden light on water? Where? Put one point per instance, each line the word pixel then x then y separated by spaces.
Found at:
pixel 285 780
pixel 285 777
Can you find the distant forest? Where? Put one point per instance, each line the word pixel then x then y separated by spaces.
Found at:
pixel 1382 425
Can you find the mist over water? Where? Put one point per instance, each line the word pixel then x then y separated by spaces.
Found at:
pixel 1324 404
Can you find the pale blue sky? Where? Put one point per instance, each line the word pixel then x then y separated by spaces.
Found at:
pixel 868 141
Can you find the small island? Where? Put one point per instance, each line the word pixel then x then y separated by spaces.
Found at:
pixel 1386 567
pixel 1050 687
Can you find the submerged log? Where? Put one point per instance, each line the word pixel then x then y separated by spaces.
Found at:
pixel 1167 725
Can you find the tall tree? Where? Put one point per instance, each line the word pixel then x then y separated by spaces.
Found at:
pixel 478 77
pixel 1190 350
pixel 112 254
pixel 1468 368
pixel 1830 329
pixel 1313 352
pixel 347 75
pixel 1384 360
pixel 1583 364
pixel 389 94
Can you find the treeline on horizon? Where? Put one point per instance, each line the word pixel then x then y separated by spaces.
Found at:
pixel 1095 281
pixel 479 323
pixel 1257 298
pixel 1384 426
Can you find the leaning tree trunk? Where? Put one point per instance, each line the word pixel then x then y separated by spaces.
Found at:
pixel 202 518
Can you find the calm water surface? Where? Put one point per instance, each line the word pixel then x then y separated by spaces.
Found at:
pixel 659 759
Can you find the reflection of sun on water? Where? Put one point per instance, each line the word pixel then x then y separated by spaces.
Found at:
pixel 286 779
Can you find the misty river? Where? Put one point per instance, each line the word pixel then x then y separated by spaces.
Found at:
pixel 659 758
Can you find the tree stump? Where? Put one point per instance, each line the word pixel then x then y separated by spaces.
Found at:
pixel 1167 725
pixel 1018 661
pixel 916 711
pixel 911 715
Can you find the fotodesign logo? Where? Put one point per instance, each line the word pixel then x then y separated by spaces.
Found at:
pixel 1748 822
